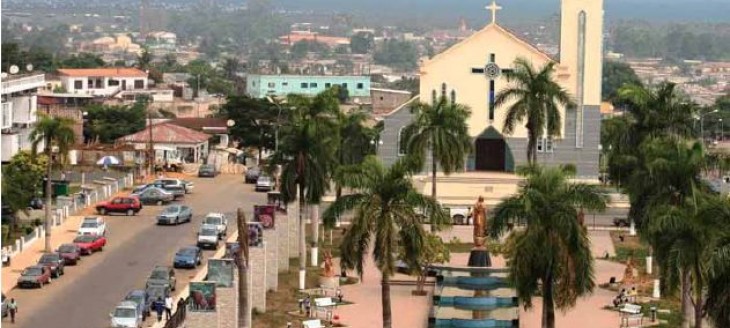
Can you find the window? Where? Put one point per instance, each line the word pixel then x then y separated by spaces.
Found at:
pixel 344 85
pixel 78 84
pixel 443 90
pixel 360 85
pixel 545 145
pixel 402 142
pixel 433 96
pixel 139 84
pixel 272 85
pixel 284 84
pixel 453 96
pixel 304 85
pixel 327 85
pixel 113 83
pixel 312 85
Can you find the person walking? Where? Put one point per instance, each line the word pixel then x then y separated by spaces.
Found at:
pixel 168 307
pixel 12 309
pixel 159 306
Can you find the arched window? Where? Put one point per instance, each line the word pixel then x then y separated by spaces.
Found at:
pixel 443 90
pixel 402 142
pixel 433 97
pixel 453 96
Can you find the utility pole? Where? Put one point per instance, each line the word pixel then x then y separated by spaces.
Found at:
pixel 244 304
pixel 151 148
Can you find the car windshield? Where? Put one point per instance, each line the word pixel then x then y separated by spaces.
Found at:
pixel 84 239
pixel 155 291
pixel 264 179
pixel 186 251
pixel 137 298
pixel 158 274
pixel 213 220
pixel 208 232
pixel 67 249
pixel 34 271
pixel 124 313
pixel 48 258
pixel 206 168
pixel 89 225
pixel 172 209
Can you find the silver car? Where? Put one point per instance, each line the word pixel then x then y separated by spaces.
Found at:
pixel 175 214
pixel 264 183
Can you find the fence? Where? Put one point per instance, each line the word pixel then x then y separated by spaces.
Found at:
pixel 67 206
pixel 178 318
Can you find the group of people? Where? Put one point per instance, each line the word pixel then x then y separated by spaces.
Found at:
pixel 625 297
pixel 163 306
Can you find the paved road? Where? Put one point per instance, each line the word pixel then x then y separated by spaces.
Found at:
pixel 85 295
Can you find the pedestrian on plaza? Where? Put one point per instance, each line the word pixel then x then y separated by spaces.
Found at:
pixel 168 307
pixel 159 306
pixel 12 309
pixel 308 307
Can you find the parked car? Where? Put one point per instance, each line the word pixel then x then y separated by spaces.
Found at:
pixel 122 204
pixel 90 244
pixel 5 258
pixel 126 315
pixel 252 174
pixel 207 171
pixel 220 222
pixel 34 276
pixel 208 236
pixel 162 276
pixel 154 195
pixel 139 297
pixel 92 225
pixel 264 183
pixel 187 185
pixel 5 306
pixel 177 191
pixel 153 292
pixel 71 253
pixel 53 261
pixel 36 203
pixel 187 257
pixel 175 214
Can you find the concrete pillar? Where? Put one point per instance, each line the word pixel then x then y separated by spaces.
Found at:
pixel 649 264
pixel 272 260
pixel 282 230
pixel 657 292
pixel 314 210
pixel 258 277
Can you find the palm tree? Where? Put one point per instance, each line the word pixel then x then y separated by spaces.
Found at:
pixel 385 207
pixel 144 59
pixel 441 129
pixel 52 132
pixel 307 156
pixel 537 98
pixel 552 255
pixel 717 304
pixel 355 140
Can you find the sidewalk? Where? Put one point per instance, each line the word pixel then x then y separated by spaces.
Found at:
pixel 61 234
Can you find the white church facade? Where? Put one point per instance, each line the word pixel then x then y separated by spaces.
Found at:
pixel 470 73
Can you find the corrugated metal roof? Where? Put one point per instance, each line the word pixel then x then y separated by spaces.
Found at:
pixel 105 72
pixel 166 133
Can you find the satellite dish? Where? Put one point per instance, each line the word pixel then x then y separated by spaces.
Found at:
pixel 29 67
pixel 4 75
pixel 14 69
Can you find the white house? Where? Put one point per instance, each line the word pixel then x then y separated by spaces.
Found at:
pixel 19 111
pixel 102 81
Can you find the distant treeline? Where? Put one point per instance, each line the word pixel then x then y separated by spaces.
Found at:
pixel 677 41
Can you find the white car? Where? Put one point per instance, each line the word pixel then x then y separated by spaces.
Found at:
pixel 187 185
pixel 126 315
pixel 208 236
pixel 218 220
pixel 92 225
pixel 264 183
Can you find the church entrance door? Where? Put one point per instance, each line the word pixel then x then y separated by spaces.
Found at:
pixel 490 155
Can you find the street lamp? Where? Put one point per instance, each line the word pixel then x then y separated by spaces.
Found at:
pixel 278 116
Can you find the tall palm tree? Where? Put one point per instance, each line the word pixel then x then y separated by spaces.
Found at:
pixel 52 132
pixel 307 156
pixel 385 214
pixel 535 97
pixel 440 129
pixel 554 249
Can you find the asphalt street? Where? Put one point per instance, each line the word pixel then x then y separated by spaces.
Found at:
pixel 88 292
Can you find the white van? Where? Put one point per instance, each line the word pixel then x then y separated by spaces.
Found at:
pixel 208 236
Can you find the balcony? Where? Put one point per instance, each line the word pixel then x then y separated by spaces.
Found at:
pixel 25 109
pixel 17 83
pixel 7 116
pixel 10 146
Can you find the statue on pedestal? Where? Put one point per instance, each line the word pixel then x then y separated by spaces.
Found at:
pixel 329 270
pixel 479 213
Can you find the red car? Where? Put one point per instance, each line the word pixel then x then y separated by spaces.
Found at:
pixel 126 205
pixel 34 276
pixel 70 252
pixel 88 244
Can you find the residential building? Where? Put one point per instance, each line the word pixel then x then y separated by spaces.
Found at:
pixel 66 105
pixel 296 36
pixel 386 100
pixel 102 81
pixel 167 138
pixel 19 111
pixel 259 86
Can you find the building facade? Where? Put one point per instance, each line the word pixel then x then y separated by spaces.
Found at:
pixel 259 86
pixel 471 73
pixel 102 81
pixel 19 111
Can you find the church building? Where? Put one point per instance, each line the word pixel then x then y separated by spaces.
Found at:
pixel 471 73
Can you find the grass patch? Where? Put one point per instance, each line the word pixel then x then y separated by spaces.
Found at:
pixel 630 247
pixel 669 320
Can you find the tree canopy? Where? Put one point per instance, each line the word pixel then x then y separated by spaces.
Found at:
pixel 616 75
pixel 107 123
pixel 398 54
pixel 22 180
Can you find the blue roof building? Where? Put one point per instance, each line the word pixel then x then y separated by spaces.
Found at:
pixel 259 86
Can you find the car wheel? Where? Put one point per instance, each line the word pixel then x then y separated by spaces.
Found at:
pixel 102 211
pixel 159 203
pixel 130 212
pixel 177 220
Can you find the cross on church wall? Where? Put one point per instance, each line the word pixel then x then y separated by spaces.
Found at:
pixel 491 71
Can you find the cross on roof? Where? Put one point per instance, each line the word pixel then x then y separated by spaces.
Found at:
pixel 493 8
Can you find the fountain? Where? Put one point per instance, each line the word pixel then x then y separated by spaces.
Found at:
pixel 475 296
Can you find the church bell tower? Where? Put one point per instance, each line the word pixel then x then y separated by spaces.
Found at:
pixel 581 52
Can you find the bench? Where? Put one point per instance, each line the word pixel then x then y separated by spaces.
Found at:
pixel 323 304
pixel 631 312
pixel 316 323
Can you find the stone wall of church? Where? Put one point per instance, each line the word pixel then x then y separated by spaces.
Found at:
pixel 564 151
